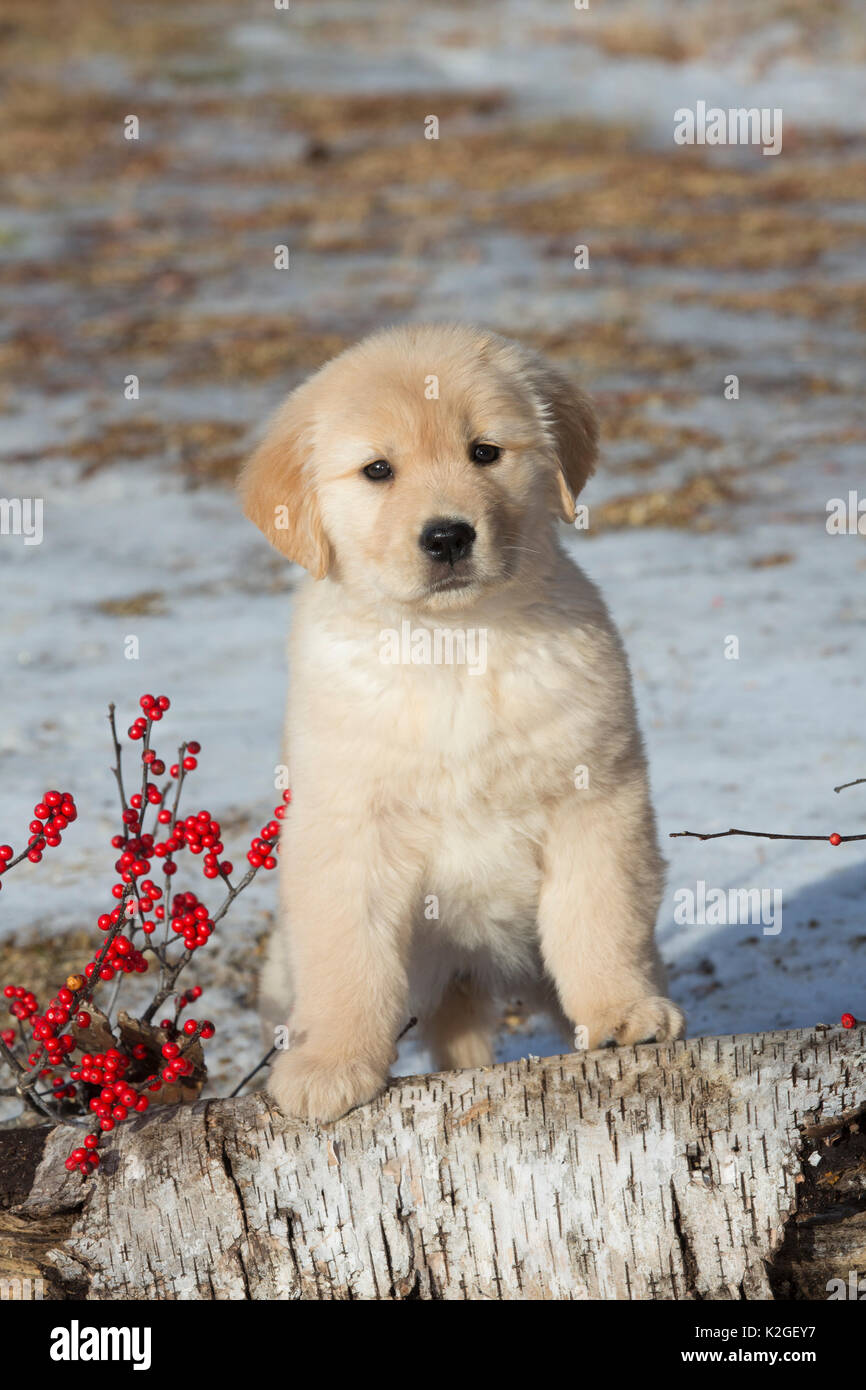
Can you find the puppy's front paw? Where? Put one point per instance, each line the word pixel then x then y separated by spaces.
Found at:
pixel 311 1087
pixel 651 1019
pixel 654 1019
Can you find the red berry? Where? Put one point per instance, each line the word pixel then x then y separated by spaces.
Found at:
pixel 835 839
pixel 849 1021
pixel 207 1028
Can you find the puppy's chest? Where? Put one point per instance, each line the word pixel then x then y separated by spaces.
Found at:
pixel 494 736
pixel 457 735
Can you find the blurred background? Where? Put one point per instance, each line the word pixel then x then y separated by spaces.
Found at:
pixel 305 127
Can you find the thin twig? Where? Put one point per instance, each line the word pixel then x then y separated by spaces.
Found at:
pixel 118 773
pixel 257 1068
pixel 168 894
pixel 9 1057
pixel 24 1086
pixel 769 834
pixel 759 834
pixel 170 972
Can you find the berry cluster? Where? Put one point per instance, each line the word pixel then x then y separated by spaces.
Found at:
pixel 199 834
pixel 191 920
pixel 154 709
pixel 51 816
pixel 260 853
pixel 121 956
pixel 137 1058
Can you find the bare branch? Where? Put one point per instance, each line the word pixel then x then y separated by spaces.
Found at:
pixel 760 834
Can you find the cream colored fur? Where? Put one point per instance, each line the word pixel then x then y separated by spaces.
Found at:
pixel 432 789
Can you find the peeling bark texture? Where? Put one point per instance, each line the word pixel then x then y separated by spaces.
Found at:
pixel 684 1171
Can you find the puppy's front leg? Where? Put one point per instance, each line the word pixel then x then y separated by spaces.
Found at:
pixel 349 910
pixel 602 885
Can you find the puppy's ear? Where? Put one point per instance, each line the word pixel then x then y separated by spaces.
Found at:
pixel 278 490
pixel 572 422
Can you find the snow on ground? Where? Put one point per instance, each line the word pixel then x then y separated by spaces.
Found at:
pixel 757 742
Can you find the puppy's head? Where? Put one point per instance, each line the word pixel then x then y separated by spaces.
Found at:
pixel 424 465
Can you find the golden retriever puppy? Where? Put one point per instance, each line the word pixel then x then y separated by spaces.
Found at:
pixel 470 810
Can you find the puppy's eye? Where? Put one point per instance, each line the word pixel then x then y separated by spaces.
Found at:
pixel 378 471
pixel 484 453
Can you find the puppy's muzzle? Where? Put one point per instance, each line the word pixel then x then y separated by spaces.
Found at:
pixel 446 541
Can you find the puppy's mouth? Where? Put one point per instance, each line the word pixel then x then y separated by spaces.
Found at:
pixel 447 582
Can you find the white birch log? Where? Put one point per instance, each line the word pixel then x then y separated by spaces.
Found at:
pixel 655 1172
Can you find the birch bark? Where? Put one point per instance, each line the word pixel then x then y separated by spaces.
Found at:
pixel 656 1172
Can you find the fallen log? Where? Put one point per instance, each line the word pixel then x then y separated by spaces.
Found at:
pixel 719 1168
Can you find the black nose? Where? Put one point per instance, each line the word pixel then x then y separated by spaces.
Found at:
pixel 447 541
